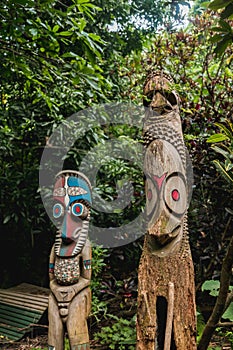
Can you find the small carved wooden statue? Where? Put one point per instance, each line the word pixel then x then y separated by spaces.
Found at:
pixel 70 263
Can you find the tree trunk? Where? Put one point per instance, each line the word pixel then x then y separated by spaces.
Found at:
pixel 154 276
pixel 222 299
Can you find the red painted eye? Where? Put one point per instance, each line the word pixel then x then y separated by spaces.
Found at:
pixel 175 195
pixel 149 195
pixel 77 209
pixel 58 210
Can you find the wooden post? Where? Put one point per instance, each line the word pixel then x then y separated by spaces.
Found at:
pixel 70 263
pixel 166 292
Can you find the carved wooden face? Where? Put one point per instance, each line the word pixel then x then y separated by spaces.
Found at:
pixel 166 194
pixel 159 96
pixel 72 200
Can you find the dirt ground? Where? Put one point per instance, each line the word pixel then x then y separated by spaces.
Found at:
pixel 40 342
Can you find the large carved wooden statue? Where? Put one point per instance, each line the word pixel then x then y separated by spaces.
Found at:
pixel 70 263
pixel 166 294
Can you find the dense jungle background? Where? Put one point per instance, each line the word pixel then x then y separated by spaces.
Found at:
pixel 59 57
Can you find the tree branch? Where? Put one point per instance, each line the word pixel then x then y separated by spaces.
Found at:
pixel 222 298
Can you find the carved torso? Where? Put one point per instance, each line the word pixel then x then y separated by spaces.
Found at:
pixel 67 271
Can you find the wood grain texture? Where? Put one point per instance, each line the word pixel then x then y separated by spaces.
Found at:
pixel 166 292
pixel 70 263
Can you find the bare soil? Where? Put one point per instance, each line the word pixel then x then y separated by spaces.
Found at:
pixel 40 342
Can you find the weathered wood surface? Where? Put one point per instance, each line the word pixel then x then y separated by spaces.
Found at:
pixel 70 263
pixel 20 307
pixel 165 321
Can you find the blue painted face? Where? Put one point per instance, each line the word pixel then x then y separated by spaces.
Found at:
pixel 78 189
pixel 72 195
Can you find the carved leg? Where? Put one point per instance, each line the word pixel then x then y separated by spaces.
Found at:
pixel 56 327
pixel 146 330
pixel 77 329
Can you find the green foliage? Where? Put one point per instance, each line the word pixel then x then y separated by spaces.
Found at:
pixel 225 149
pixel 224 33
pixel 45 48
pixel 66 347
pixel 213 287
pixel 228 314
pixel 229 336
pixel 226 335
pixel 124 25
pixel 121 335
pixel 98 308
pixel 49 70
pixel 200 325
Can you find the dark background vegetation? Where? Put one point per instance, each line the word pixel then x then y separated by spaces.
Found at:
pixel 59 57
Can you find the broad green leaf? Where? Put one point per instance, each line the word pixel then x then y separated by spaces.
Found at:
pixel 82 24
pixel 228 314
pixel 55 28
pixel 96 38
pixel 216 38
pixel 65 33
pixel 218 4
pixel 97 8
pixel 212 286
pixel 227 132
pixel 225 25
pixel 223 172
pixel 205 4
pixel 228 165
pixel 221 151
pixel 218 29
pixel 92 83
pixel 217 138
pixel 6 219
pixel 222 45
pixel 228 72
pixel 228 12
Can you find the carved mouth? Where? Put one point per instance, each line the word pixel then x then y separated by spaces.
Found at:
pixel 67 241
pixel 73 239
pixel 163 244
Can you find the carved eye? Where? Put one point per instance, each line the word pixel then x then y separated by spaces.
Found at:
pixel 79 210
pixel 175 194
pixel 148 98
pixel 152 197
pixel 171 97
pixel 58 210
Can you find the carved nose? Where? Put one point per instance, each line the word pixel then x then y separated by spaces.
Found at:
pixel 68 228
pixel 160 179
